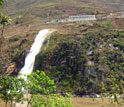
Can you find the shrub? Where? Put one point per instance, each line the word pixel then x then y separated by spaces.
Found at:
pixel 41 89
pixel 11 89
pixel 38 85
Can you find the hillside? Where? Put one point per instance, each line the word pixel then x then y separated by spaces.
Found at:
pixel 79 55
pixel 80 61
pixel 36 11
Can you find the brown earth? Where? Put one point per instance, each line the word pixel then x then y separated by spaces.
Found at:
pixel 89 102
pixel 85 102
pixel 118 23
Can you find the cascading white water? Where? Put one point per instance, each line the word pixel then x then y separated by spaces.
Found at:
pixel 35 49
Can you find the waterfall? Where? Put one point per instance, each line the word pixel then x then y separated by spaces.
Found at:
pixel 34 50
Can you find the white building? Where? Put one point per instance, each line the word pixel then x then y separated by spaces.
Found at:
pixel 82 18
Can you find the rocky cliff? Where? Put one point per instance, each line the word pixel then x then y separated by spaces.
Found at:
pixel 80 62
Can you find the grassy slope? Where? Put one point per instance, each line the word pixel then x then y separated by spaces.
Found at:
pixel 36 10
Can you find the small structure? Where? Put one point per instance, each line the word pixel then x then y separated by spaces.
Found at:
pixel 74 18
pixel 82 18
pixel 57 21
pixel 122 16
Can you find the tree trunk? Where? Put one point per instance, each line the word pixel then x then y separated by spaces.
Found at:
pixel 3 31
pixel 6 104
pixel 29 101
pixel 11 103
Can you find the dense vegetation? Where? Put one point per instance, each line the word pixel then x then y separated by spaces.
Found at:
pixel 39 89
pixel 80 64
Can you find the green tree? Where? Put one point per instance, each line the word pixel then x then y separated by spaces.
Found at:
pixel 3 18
pixel 11 89
pixel 3 22
pixel 41 88
pixel 38 82
pixel 1 5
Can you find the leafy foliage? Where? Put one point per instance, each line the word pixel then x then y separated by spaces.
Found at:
pixel 39 87
pixel 79 65
pixel 52 100
pixel 114 87
pixel 1 5
pixel 3 19
pixel 39 82
pixel 11 89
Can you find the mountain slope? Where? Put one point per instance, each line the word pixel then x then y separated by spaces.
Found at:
pixel 40 9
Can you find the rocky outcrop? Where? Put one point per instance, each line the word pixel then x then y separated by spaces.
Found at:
pixel 10 69
pixel 80 64
pixel 19 60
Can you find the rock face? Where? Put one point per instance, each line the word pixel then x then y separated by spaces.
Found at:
pixel 79 65
pixel 19 60
pixel 10 69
